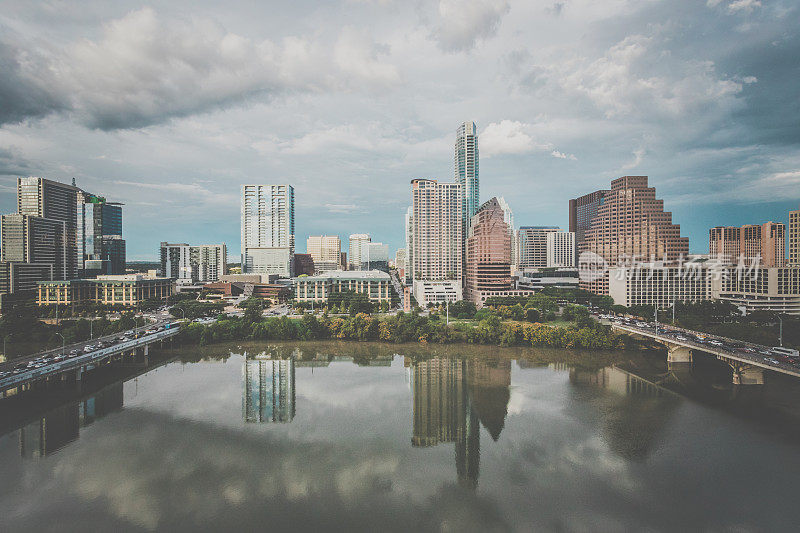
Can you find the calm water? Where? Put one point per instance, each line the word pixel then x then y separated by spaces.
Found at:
pixel 354 437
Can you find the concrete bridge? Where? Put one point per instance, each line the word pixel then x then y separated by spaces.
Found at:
pixel 76 366
pixel 748 368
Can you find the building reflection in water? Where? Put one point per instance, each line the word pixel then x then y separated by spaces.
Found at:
pixel 635 415
pixel 451 398
pixel 268 394
pixel 61 425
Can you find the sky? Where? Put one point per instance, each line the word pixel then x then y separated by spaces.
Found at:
pixel 170 107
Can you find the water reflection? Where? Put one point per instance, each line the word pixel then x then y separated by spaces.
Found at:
pixel 269 394
pixel 61 426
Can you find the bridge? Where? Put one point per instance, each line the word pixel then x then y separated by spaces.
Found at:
pixel 70 364
pixel 747 360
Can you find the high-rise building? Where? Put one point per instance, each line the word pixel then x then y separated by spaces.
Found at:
pixel 101 248
pixel 436 226
pixel 794 238
pixel 267 229
pixel 765 241
pixel 467 175
pixel 269 394
pixel 561 249
pixel 375 256
pixel 631 224
pixel 303 264
pixel 409 224
pixel 357 241
pixel 400 259
pixel 40 197
pixel 326 250
pixel 34 239
pixel 582 211
pixel 188 264
pixel 489 245
pixel 532 245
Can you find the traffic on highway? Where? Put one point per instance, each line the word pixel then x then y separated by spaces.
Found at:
pixel 786 358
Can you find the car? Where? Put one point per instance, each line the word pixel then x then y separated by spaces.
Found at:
pixel 681 338
pixel 4 374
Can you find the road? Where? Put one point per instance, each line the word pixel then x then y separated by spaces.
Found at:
pixel 734 349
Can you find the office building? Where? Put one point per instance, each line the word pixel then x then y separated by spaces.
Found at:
pixel 400 262
pixel 436 230
pixel 561 249
pixel 489 245
pixel 303 264
pixel 127 290
pixel 268 229
pixel 764 241
pixel 269 393
pixel 326 250
pixel 582 211
pixel 357 241
pixel 437 292
pixel 40 197
pixel 101 248
pixel 660 284
pixel 375 256
pixel 17 277
pixel 374 283
pixel 775 289
pixel 190 264
pixel 536 279
pixel 631 224
pixel 794 238
pixel 532 245
pixel 409 226
pixel 35 239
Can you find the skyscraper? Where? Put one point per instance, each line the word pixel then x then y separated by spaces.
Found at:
pixel 409 223
pixel 375 256
pixel 561 249
pixel 267 229
pixel 794 238
pixel 357 241
pixel 467 174
pixel 436 225
pixel 489 245
pixel 326 250
pixel 766 241
pixel 631 224
pixel 40 197
pixel 532 245
pixel 101 248
pixel 582 211
pixel 185 263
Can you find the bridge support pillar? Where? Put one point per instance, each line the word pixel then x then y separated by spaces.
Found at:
pixel 678 354
pixel 748 375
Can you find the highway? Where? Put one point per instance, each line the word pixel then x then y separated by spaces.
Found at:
pixel 44 364
pixel 722 347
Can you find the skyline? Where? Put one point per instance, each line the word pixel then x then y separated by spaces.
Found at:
pixel 566 99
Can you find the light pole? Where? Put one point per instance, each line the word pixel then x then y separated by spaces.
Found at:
pixel 780 332
pixel 62 343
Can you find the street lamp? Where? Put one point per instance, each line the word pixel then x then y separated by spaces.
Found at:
pixel 62 343
pixel 780 332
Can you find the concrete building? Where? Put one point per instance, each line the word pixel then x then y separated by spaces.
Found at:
pixel 375 256
pixel 326 250
pixel 40 197
pixel 582 211
pixel 190 264
pixel 794 238
pixel 19 277
pixel 631 224
pixel 436 292
pixel 268 229
pixel 489 251
pixel 561 249
pixel 409 226
pixel 303 264
pixel 536 279
pixel 400 262
pixel 357 241
pixel 128 290
pixel 765 241
pixel 436 230
pixel 775 289
pixel 374 283
pixel 532 245
pixel 659 284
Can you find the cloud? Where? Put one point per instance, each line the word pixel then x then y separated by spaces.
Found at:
pixel 737 5
pixel 144 70
pixel 464 22
pixel 512 137
pixel 561 155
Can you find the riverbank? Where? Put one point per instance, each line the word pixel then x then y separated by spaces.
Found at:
pixel 407 328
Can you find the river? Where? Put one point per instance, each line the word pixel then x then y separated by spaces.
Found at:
pixel 352 437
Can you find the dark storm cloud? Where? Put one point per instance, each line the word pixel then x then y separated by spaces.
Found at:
pixel 22 94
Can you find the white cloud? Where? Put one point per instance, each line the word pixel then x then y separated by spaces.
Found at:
pixel 562 155
pixel 464 22
pixel 508 137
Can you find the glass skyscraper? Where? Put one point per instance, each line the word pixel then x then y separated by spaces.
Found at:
pixel 466 171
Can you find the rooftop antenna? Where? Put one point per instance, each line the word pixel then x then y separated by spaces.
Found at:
pixel 73 182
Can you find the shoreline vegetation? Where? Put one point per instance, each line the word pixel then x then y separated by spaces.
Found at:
pixel 487 327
